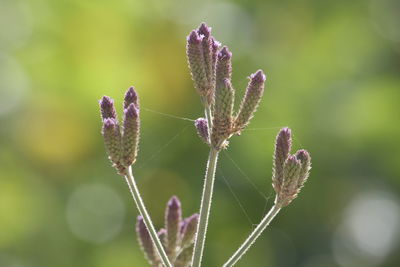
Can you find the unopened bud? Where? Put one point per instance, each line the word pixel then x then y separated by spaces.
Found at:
pixel 251 100
pixel 130 136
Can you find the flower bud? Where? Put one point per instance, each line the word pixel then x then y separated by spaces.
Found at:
pixel 112 140
pixel 131 97
pixel 222 120
pixel 173 218
pixel 130 136
pixel 202 129
pixel 146 244
pixel 188 230
pixel 107 108
pixel 251 100
pixel 282 148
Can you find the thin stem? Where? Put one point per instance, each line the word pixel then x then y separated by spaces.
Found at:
pixel 253 236
pixel 205 207
pixel 146 218
pixel 208 114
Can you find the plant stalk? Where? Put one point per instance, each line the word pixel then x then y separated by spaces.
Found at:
pixel 205 207
pixel 253 236
pixel 146 218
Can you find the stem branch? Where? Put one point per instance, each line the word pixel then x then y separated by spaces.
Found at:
pixel 205 207
pixel 253 236
pixel 146 218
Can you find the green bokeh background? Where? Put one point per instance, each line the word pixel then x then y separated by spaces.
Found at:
pixel 333 72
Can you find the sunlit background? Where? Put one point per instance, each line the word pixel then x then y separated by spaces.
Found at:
pixel 333 72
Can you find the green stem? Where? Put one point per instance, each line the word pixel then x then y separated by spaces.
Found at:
pixel 253 236
pixel 146 218
pixel 205 207
pixel 208 115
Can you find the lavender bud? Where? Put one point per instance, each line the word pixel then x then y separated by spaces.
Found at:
pixel 252 98
pixel 290 189
pixel 202 129
pixel 283 145
pixel 145 241
pixel 188 231
pixel 207 46
pixel 304 157
pixel 173 218
pixel 204 30
pixel 131 97
pixel 130 136
pixel 224 67
pixel 112 140
pixel 184 258
pixel 222 120
pixel 107 108
pixel 194 52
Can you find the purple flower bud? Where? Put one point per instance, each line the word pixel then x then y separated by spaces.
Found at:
pixel 223 109
pixel 202 129
pixel 145 241
pixel 305 159
pixel 131 97
pixel 173 218
pixel 107 108
pixel 204 30
pixel 112 140
pixel 189 230
pixel 130 136
pixel 224 67
pixel 283 145
pixel 251 100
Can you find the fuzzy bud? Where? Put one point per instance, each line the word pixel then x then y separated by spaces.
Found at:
pixel 173 218
pixel 184 258
pixel 107 108
pixel 224 67
pixel 131 97
pixel 188 230
pixel 112 140
pixel 201 52
pixel 145 241
pixel 283 145
pixel 251 100
pixel 222 120
pixel 290 189
pixel 130 136
pixel 202 129
pixel 304 157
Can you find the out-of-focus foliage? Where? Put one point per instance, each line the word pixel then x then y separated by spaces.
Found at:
pixel 332 76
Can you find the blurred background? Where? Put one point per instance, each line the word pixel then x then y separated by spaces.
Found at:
pixel 333 77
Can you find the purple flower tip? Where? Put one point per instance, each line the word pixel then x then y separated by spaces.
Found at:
pixel 204 29
pixel 106 102
pixel 302 155
pixel 224 53
pixel 200 122
pixel 285 131
pixel 194 38
pixel 109 123
pixel 174 203
pixel 162 232
pixel 139 218
pixel 258 77
pixel 131 111
pixel 131 95
pixel 215 44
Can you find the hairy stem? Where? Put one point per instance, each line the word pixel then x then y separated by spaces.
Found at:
pixel 205 207
pixel 208 114
pixel 146 218
pixel 253 236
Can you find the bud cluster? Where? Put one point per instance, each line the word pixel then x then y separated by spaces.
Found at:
pixel 290 172
pixel 121 143
pixel 177 237
pixel 211 69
